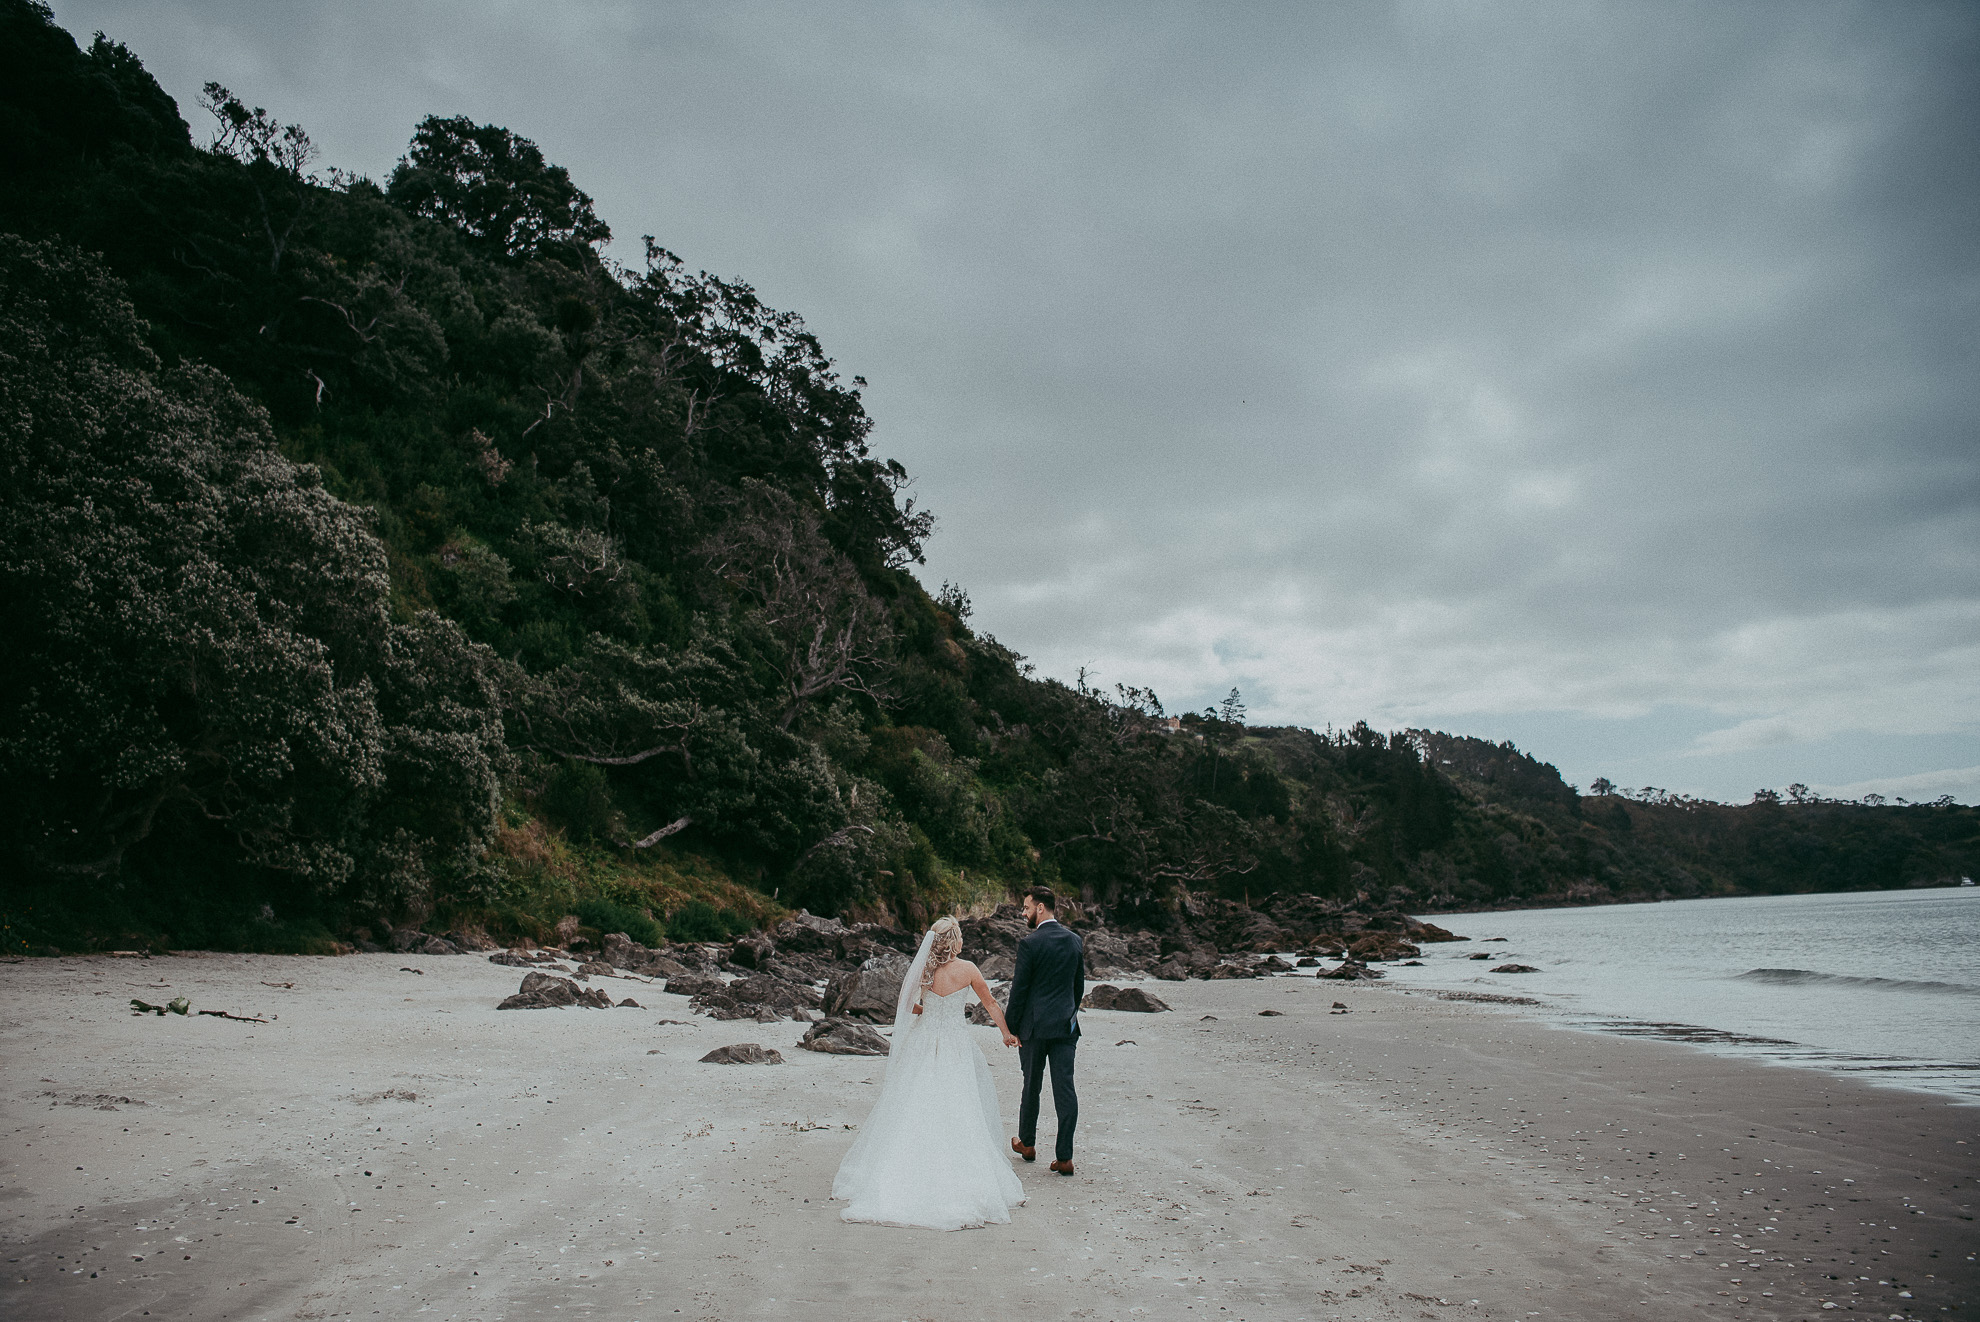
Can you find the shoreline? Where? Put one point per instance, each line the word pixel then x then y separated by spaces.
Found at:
pixel 1405 1158
pixel 1613 901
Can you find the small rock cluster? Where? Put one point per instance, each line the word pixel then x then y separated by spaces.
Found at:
pixel 546 991
pixel 811 969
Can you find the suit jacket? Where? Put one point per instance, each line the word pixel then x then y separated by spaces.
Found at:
pixel 1049 984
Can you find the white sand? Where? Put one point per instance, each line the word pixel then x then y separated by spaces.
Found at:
pixel 1411 1158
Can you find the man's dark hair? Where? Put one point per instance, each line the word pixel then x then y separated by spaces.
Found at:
pixel 1043 897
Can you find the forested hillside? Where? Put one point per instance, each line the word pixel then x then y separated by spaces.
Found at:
pixel 381 551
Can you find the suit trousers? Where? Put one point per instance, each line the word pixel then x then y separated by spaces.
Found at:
pixel 1035 1057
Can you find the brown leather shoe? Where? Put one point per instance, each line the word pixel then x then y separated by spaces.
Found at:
pixel 1062 1167
pixel 1029 1154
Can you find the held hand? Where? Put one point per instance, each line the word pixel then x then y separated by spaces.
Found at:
pixel 1009 1039
pixel 917 1009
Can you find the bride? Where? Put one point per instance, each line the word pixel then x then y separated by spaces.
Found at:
pixel 931 1153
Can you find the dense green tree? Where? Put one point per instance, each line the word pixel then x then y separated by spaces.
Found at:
pixel 340 521
pixel 202 631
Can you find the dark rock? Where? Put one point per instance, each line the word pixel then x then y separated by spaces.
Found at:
pixel 844 1037
pixel 721 1005
pixel 1000 992
pixel 514 959
pixel 1429 933
pixel 1479 954
pixel 1382 945
pixel 1412 963
pixel 473 939
pixel 1350 971
pixel 1307 962
pixel 1272 1014
pixel 1226 971
pixel 1272 964
pixel 1515 968
pixel 1108 954
pixel 775 992
pixel 1324 946
pixel 870 991
pixel 629 1004
pixel 752 951
pixel 997 968
pixel 742 1053
pixel 368 947
pixel 1171 970
pixel 541 991
pixel 622 952
pixel 1105 997
pixel 690 984
pixel 1497 938
pixel 594 968
pixel 995 934
pixel 805 934
pixel 1340 1005
pixel 657 965
pixel 406 940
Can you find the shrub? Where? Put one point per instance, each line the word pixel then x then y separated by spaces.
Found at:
pixel 697 920
pixel 579 798
pixel 611 916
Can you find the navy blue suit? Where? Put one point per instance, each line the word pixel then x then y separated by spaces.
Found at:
pixel 1046 990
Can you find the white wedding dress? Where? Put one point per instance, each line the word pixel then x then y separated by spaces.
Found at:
pixel 931 1153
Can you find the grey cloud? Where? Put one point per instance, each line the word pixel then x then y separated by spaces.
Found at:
pixel 1402 361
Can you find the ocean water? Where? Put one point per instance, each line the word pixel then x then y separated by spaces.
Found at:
pixel 1882 986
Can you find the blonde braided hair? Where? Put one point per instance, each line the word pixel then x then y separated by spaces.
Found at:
pixel 944 948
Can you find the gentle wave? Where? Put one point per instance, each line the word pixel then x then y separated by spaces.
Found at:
pixel 1810 978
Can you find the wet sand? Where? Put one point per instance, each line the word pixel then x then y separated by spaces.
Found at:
pixel 390 1145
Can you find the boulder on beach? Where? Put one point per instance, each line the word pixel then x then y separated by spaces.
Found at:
pixel 544 991
pixel 1272 964
pixel 752 951
pixel 1350 971
pixel 870 991
pixel 514 959
pixel 1479 954
pixel 775 992
pixel 844 1037
pixel 1105 997
pixel 690 984
pixel 1383 945
pixel 742 1053
pixel 808 934
pixel 1515 968
pixel 1000 992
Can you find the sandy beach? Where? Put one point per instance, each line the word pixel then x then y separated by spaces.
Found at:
pixel 387 1144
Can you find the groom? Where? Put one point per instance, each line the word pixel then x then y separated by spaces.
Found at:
pixel 1046 990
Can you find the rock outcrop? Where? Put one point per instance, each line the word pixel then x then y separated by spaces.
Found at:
pixel 844 1037
pixel 871 991
pixel 545 991
pixel 1107 997
pixel 742 1053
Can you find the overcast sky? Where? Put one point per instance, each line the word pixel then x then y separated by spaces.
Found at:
pixel 1601 377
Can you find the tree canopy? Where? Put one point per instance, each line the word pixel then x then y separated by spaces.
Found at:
pixel 378 554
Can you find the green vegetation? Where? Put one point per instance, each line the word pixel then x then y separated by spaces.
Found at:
pixel 378 554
